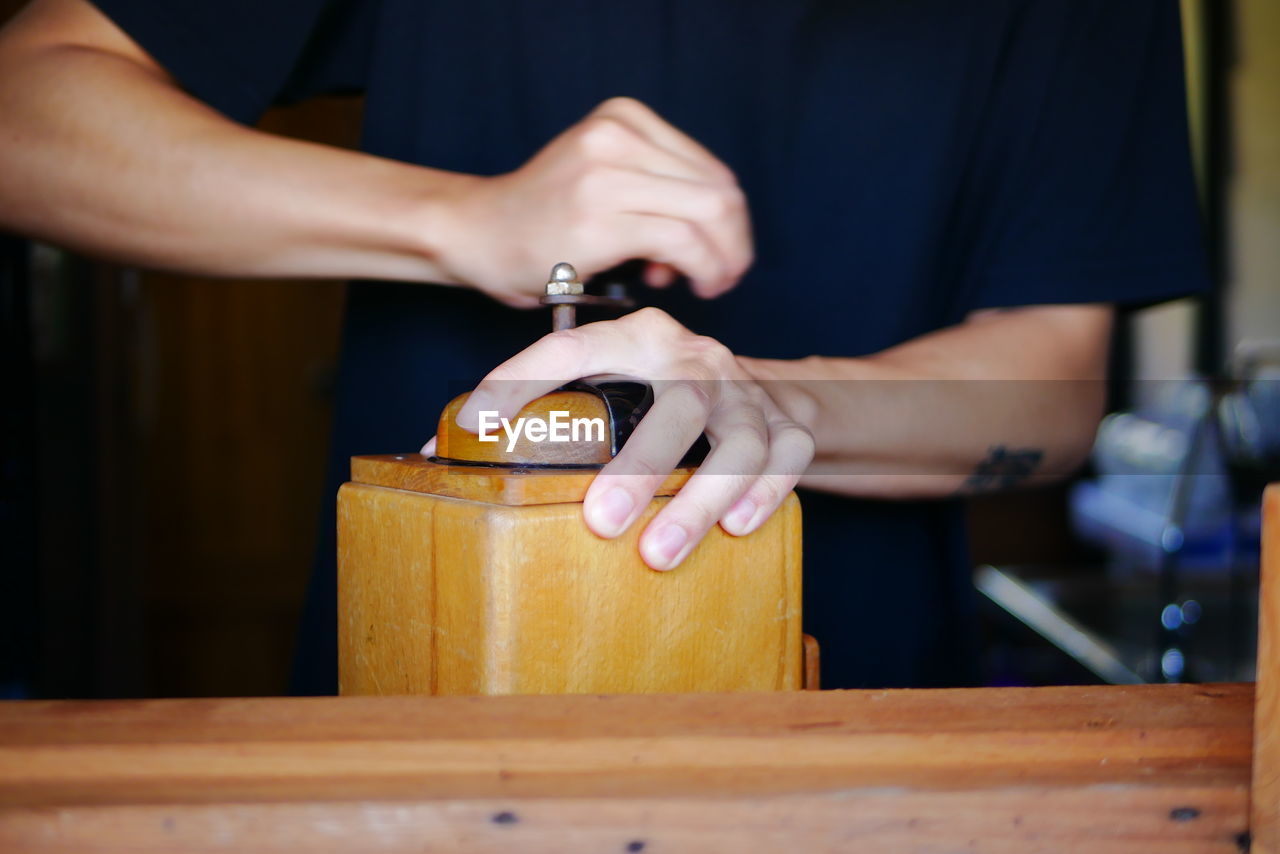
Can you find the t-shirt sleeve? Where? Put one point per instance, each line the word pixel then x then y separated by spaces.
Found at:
pixel 1081 188
pixel 242 56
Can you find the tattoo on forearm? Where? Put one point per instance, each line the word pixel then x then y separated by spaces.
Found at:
pixel 1003 468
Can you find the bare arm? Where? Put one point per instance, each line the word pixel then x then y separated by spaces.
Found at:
pixel 102 151
pixel 1006 397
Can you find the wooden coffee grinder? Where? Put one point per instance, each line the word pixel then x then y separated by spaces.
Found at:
pixel 473 572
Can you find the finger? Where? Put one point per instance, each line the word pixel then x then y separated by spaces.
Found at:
pixel 738 266
pixel 605 347
pixel 676 243
pixel 790 453
pixel 665 135
pixel 741 444
pixel 623 488
pixel 544 366
pixel 719 212
pixel 660 275
pixel 638 117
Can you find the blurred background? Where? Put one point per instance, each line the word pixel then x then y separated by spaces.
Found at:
pixel 164 437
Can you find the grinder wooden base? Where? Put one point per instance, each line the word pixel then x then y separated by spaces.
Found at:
pixel 506 591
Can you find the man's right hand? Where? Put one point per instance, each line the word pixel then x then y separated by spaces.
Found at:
pixel 104 152
pixel 620 184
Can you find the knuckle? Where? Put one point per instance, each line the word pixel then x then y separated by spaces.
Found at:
pixel 703 373
pixel 723 176
pixel 748 430
pixel 753 392
pixel 757 432
pixel 712 204
pixel 709 353
pixel 621 104
pixel 603 136
pixel 795 439
pixel 747 449
pixel 693 399
pixel 724 202
pixel 652 317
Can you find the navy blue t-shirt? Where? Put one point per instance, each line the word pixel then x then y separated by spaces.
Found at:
pixel 905 161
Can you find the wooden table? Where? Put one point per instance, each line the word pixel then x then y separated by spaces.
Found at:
pixel 1134 769
pixel 1148 769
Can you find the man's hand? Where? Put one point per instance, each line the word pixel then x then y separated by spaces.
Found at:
pixel 620 184
pixel 103 151
pixel 915 421
pixel 757 452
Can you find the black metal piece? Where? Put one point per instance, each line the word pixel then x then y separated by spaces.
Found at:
pixel 606 300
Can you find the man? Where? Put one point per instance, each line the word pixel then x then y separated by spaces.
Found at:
pixel 947 199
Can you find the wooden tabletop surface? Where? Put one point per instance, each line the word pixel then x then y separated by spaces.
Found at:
pixel 1109 770
pixel 395 747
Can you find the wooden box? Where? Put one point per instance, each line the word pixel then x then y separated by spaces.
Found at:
pixel 472 580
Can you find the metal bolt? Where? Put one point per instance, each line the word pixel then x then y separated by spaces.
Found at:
pixel 564 281
pixel 565 292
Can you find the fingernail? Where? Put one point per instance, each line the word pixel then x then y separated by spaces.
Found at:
pixel 609 515
pixel 665 545
pixel 738 519
pixel 469 415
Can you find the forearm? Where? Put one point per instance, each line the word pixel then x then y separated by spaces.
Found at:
pixel 101 150
pixel 1004 398
pixel 106 155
